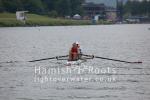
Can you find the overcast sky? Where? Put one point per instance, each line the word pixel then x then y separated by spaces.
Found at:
pixel 106 2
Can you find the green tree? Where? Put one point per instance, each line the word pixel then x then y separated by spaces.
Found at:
pixel 64 7
pixel 76 7
pixel 49 4
pixel 137 7
pixel 34 6
pixel 49 7
pixel 1 6
pixel 12 6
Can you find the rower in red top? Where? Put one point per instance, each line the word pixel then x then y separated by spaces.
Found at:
pixel 73 54
pixel 79 50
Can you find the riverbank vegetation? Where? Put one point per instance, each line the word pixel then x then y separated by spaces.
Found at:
pixel 9 20
pixel 54 12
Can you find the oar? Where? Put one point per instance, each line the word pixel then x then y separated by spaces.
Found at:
pixel 48 58
pixel 111 59
pixel 61 57
pixel 42 59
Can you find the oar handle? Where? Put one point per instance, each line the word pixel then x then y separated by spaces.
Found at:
pixel 62 57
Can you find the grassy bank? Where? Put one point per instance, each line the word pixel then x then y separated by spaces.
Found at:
pixel 9 20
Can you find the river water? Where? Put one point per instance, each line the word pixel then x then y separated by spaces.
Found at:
pixel 121 81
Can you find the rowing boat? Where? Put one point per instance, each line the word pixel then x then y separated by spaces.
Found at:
pixel 78 62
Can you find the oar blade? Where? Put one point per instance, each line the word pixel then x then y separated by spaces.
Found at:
pixel 138 62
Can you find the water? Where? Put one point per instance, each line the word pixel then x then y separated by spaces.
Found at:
pixel 126 42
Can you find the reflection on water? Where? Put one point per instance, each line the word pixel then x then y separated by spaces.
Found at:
pixel 125 42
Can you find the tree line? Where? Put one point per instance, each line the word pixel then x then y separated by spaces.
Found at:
pixel 136 8
pixel 48 7
pixel 63 8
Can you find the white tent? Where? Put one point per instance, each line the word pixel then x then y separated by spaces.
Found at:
pixel 76 16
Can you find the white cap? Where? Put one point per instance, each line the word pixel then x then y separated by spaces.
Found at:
pixel 77 42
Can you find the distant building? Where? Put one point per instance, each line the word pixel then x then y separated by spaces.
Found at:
pixel 111 14
pixel 110 3
pixel 91 10
pixel 116 13
pixel 21 15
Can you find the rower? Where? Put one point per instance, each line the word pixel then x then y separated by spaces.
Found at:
pixel 73 53
pixel 79 50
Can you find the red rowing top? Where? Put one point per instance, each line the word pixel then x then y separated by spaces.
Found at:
pixel 74 50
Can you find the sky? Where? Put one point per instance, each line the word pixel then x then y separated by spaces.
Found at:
pixel 111 3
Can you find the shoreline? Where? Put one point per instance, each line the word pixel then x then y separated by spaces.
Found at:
pixel 34 20
pixel 71 25
pixel 9 20
pixel 63 22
